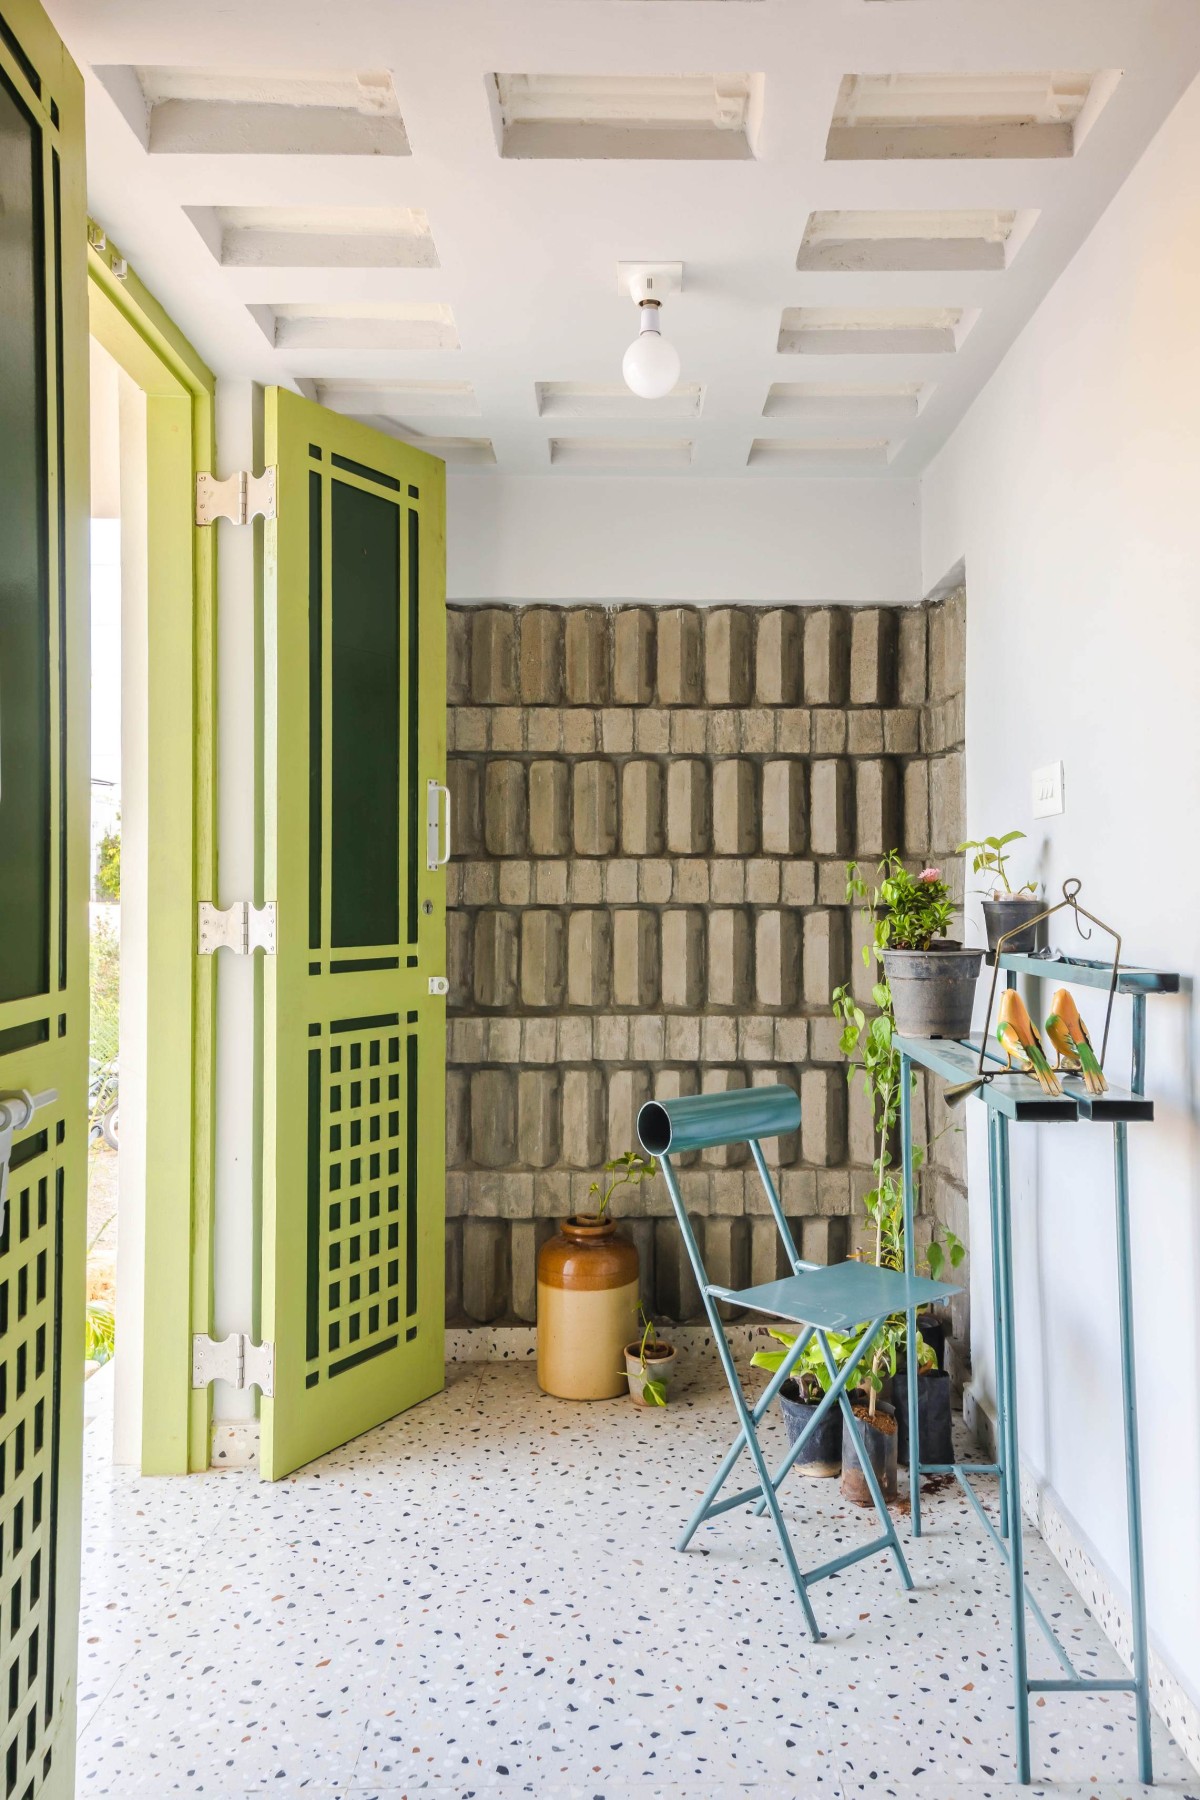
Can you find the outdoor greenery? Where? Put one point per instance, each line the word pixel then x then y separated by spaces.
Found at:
pixel 108 865
pixel 104 969
pixel 629 1168
pixel 99 1320
pixel 990 859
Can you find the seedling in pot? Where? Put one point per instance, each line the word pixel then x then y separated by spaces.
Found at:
pixel 627 1169
pixel 989 859
pixel 651 1349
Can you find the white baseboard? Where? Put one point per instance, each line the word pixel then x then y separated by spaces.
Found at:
pixel 234 1444
pixel 1170 1698
pixel 518 1343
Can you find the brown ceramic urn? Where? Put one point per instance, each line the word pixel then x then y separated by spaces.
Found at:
pixel 587 1300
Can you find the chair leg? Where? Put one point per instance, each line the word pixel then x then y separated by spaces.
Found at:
pixel 850 1423
pixel 750 1438
pixel 757 1412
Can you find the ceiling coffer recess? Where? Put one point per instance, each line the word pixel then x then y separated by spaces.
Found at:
pixel 264 112
pixel 871 330
pixel 1036 113
pixel 860 242
pixel 316 237
pixel 701 118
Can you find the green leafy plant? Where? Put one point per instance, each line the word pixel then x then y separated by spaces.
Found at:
pixel 811 1373
pixel 988 858
pixel 906 911
pixel 653 1390
pixel 888 906
pixel 627 1169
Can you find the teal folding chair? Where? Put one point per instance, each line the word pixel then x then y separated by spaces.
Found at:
pixel 818 1298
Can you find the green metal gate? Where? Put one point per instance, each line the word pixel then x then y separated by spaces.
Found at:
pixel 354 998
pixel 44 754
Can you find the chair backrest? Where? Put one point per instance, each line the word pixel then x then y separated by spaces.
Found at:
pixel 667 1128
pixel 698 1121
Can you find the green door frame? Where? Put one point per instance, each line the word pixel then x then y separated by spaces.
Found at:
pixel 181 827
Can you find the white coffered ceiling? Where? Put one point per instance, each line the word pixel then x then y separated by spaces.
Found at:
pixel 414 209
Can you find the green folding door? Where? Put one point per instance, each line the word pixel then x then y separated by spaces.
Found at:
pixel 354 1007
pixel 43 892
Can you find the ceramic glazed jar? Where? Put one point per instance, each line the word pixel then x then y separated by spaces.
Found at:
pixel 587 1310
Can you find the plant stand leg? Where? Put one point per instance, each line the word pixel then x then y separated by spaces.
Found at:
pixel 1133 1494
pixel 910 1268
pixel 997 1317
pixel 1011 1458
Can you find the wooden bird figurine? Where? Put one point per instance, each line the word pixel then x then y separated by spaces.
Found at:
pixel 1069 1035
pixel 1020 1040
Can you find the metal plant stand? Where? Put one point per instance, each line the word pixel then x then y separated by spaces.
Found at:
pixel 1013 1099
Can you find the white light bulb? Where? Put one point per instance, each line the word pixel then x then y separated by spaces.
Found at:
pixel 650 365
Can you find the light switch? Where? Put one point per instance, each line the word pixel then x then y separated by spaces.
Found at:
pixel 1048 790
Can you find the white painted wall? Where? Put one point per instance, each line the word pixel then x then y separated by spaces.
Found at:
pixel 236 1166
pixel 132 1274
pixel 570 538
pixel 1072 490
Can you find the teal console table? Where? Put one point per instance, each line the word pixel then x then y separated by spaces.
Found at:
pixel 1016 1100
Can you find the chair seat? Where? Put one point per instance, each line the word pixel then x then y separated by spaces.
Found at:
pixel 839 1296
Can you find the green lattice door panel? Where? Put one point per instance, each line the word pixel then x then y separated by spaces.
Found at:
pixel 43 893
pixel 354 1038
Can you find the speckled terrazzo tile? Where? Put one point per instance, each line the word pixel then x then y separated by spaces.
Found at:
pixel 492 1577
pixel 215 1722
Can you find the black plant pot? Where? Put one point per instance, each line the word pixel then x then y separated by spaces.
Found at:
pixel 933 1332
pixel 822 1454
pixel 933 1401
pixel 1002 916
pixel 881 1446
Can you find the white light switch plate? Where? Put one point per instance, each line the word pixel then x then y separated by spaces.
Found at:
pixel 1048 790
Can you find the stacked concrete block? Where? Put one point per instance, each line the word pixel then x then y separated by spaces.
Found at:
pixel 653 812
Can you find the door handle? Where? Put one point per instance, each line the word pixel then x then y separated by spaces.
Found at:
pixel 16 1112
pixel 435 856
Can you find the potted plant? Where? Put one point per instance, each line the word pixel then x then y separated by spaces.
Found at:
pixel 587 1294
pixel 649 1363
pixel 931 980
pixel 800 1396
pixel 1004 906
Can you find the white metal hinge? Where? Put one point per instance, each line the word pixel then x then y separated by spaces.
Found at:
pixel 239 497
pixel 240 928
pixel 438 984
pixel 235 1359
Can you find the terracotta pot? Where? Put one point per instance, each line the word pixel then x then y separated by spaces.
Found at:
pixel 660 1365
pixel 587 1310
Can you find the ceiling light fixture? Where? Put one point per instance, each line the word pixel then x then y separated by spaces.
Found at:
pixel 650 365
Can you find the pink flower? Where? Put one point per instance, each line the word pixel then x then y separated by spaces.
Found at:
pixel 930 875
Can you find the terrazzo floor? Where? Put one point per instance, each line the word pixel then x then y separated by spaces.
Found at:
pixel 482 1598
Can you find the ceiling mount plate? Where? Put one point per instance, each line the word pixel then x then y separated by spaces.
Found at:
pixel 641 280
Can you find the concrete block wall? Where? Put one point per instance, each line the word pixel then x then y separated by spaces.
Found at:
pixel 653 811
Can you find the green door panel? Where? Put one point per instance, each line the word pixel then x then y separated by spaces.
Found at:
pixel 354 1042
pixel 43 890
